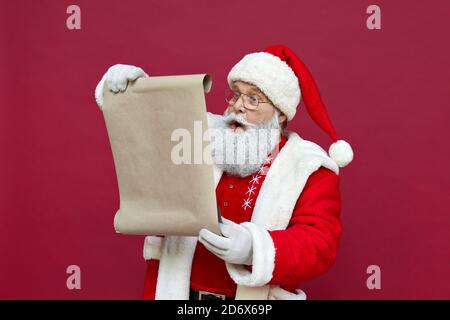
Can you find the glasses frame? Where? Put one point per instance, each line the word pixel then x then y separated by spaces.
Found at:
pixel 228 90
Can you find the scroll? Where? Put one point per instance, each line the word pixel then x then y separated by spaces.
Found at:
pixel 158 194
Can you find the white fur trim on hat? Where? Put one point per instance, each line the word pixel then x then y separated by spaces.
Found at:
pixel 272 76
pixel 341 152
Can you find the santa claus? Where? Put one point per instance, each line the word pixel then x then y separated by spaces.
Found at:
pixel 280 207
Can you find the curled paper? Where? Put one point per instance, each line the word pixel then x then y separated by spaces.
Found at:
pixel 159 196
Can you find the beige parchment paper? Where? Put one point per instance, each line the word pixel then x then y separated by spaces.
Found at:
pixel 157 196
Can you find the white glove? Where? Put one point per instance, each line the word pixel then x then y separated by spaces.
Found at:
pixel 117 78
pixel 236 245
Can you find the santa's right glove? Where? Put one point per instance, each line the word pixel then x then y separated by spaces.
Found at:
pixel 117 78
pixel 235 246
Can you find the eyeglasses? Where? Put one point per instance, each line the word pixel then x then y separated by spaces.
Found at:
pixel 251 102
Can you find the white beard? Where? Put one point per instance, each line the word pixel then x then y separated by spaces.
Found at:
pixel 242 152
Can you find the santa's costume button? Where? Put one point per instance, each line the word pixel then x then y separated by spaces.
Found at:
pixel 231 186
pixel 226 204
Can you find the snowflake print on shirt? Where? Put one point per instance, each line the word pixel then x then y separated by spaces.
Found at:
pixel 250 190
pixel 263 171
pixel 255 179
pixel 247 203
pixel 255 183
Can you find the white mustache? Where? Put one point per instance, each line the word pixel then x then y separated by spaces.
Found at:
pixel 229 118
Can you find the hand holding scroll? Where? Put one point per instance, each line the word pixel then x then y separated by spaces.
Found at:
pixel 117 78
pixel 234 247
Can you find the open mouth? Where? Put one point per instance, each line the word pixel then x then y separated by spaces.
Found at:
pixel 234 125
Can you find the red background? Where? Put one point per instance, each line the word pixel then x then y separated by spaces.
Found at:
pixel 387 93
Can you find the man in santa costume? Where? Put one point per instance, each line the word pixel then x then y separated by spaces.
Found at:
pixel 281 211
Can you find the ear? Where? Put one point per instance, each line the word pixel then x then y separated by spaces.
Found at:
pixel 281 118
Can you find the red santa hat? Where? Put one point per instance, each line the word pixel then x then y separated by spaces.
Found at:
pixel 284 79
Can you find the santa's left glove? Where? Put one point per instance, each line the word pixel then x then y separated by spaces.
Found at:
pixel 235 246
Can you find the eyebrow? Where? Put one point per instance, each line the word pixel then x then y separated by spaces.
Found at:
pixel 252 90
pixel 255 91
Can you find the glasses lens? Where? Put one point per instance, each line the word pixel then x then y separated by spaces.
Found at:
pixel 250 102
pixel 230 96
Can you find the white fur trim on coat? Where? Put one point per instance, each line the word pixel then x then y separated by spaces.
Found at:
pixel 278 293
pixel 152 247
pixel 285 180
pixel 175 267
pixel 272 76
pixel 263 261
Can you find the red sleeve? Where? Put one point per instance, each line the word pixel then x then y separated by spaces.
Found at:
pixel 308 246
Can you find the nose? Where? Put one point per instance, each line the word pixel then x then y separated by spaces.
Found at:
pixel 238 106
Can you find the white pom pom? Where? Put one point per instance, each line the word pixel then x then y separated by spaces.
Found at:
pixel 341 152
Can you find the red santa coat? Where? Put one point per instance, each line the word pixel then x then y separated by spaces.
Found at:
pixel 295 234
